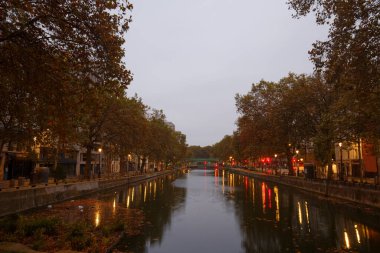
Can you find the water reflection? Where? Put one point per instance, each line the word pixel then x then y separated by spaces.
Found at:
pixel 218 211
pixel 307 224
pixel 97 218
pixel 159 200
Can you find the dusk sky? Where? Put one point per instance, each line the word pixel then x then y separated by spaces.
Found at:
pixel 190 58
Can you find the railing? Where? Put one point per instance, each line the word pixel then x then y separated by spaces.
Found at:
pixel 22 182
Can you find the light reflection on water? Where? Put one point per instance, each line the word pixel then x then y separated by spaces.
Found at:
pixel 307 224
pixel 218 211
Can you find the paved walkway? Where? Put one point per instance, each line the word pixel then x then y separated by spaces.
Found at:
pixel 23 183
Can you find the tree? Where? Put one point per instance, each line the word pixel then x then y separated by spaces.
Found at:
pixel 281 117
pixel 198 152
pixel 224 148
pixel 125 128
pixel 254 124
pixel 57 57
pixel 350 60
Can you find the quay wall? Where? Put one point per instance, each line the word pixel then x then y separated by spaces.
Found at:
pixel 25 198
pixel 363 194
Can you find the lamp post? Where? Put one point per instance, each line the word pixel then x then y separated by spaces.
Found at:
pixel 100 151
pixel 341 162
pixel 128 161
pixel 298 168
pixel 275 160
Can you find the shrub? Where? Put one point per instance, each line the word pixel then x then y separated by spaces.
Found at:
pixel 39 241
pixel 48 226
pixel 79 237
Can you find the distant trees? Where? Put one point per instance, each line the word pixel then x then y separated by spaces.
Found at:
pixel 224 148
pixel 199 152
pixel 161 142
pixel 279 117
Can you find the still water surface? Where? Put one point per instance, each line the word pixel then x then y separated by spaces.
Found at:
pixel 216 211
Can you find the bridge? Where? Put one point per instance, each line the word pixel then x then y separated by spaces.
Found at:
pixel 202 162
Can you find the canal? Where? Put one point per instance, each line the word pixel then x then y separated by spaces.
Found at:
pixel 217 211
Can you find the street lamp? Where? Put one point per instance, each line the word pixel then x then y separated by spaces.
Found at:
pixel 275 160
pixel 129 160
pixel 100 151
pixel 341 162
pixel 298 167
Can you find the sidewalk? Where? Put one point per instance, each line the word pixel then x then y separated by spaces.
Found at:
pixel 284 173
pixel 23 183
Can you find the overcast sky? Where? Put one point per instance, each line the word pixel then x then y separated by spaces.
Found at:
pixel 190 57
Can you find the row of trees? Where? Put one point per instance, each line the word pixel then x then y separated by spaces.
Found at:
pixel 294 112
pixel 339 102
pixel 222 150
pixel 63 81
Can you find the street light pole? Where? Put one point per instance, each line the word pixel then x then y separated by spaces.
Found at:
pixel 275 160
pixel 341 162
pixel 100 151
pixel 128 161
pixel 298 167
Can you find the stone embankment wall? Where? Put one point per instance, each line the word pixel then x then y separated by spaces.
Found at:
pixel 17 200
pixel 364 194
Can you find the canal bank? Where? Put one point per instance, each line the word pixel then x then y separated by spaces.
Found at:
pixel 363 194
pixel 20 199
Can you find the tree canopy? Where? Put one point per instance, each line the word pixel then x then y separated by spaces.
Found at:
pixel 349 59
pixel 62 73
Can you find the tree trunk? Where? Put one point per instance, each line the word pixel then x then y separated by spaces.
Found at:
pixel 2 160
pixel 329 170
pixel 360 161
pixel 143 162
pixel 289 161
pixel 138 164
pixel 87 167
pixel 377 170
pixel 123 164
pixel 329 173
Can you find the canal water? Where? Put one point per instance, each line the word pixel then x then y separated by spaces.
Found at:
pixel 216 211
pixel 202 211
